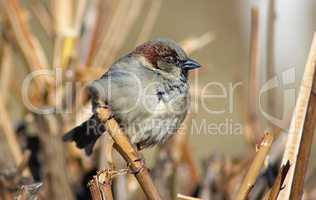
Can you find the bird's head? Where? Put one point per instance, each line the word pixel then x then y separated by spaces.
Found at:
pixel 166 56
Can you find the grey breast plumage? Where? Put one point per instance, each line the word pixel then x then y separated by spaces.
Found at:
pixel 148 106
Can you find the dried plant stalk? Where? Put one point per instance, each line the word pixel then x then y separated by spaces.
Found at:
pixel 184 197
pixel 189 159
pixel 105 184
pixel 28 43
pixel 68 22
pixel 131 156
pixel 6 70
pixel 78 19
pixel 126 14
pixel 304 150
pixel 94 189
pixel 100 186
pixel 43 16
pixel 49 127
pixel 9 134
pixel 255 167
pixel 63 15
pixel 194 44
pixel 251 131
pixel 277 186
pixel 270 53
pixel 30 192
pixel 107 190
pixel 299 125
pixel 105 13
pixel 26 40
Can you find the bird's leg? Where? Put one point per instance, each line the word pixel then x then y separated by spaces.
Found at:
pixel 139 169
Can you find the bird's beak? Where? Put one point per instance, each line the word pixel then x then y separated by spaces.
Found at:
pixel 190 64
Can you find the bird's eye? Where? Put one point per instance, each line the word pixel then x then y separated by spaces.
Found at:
pixel 170 59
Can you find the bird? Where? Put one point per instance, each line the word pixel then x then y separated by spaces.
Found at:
pixel 147 91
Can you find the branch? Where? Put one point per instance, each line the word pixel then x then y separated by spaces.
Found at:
pixel 131 156
pixel 94 189
pixel 277 186
pixel 252 124
pixel 255 167
pixel 307 135
pixel 270 57
pixel 9 133
pixel 184 197
pixel 301 130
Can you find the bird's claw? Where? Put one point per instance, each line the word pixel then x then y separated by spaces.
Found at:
pixel 134 170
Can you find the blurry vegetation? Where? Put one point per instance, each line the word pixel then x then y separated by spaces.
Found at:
pixel 79 39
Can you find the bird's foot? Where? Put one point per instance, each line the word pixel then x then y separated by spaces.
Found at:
pixel 136 166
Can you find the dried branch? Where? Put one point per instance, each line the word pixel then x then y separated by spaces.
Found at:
pixel 62 12
pixel 189 160
pixel 6 71
pixel 28 43
pixel 94 189
pixel 68 22
pixel 43 16
pixel 105 13
pixel 301 129
pixel 131 156
pixel 105 180
pixel 194 44
pixel 252 124
pixel 29 192
pixel 184 197
pixel 56 182
pixel 101 185
pixel 126 14
pixel 304 150
pixel 270 58
pixel 9 134
pixel 277 186
pixel 255 167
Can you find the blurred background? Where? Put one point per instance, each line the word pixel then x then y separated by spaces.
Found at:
pixel 241 45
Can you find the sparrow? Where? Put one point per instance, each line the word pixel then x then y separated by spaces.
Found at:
pixel 147 91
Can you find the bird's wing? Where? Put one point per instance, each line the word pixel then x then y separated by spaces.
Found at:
pixel 124 89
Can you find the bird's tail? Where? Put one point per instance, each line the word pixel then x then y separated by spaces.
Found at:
pixel 86 134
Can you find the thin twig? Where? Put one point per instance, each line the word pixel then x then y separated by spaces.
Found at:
pixel 105 12
pixel 194 44
pixel 270 54
pixel 131 156
pixel 254 169
pixel 6 71
pixel 251 131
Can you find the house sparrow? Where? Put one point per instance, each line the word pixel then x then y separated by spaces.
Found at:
pixel 147 91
